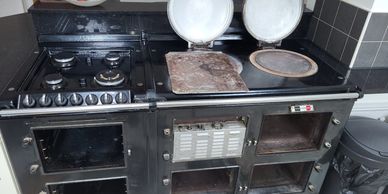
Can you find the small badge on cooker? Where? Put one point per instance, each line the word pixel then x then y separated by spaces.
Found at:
pixel 302 108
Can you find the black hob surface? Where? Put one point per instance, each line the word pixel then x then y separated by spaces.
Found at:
pixel 142 70
pixel 327 80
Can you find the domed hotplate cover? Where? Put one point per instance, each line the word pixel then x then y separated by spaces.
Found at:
pixel 270 22
pixel 200 21
pixel 86 3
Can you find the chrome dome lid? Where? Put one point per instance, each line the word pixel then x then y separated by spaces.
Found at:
pixel 272 20
pixel 200 21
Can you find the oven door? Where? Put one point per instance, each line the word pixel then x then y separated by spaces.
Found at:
pixel 84 148
pixel 300 127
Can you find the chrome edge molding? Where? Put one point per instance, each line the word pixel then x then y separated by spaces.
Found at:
pixel 252 101
pixel 174 104
pixel 80 109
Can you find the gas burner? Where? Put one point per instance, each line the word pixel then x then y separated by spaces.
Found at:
pixel 63 60
pixel 54 81
pixel 110 77
pixel 112 60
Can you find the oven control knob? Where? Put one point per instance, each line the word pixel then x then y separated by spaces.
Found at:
pixel 29 101
pixel 76 99
pixel 60 100
pixel 106 99
pixel 91 99
pixel 121 98
pixel 45 101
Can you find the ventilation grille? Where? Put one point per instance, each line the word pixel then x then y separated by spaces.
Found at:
pixel 203 141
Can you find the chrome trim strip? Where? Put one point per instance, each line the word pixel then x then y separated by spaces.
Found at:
pixel 252 101
pixel 173 104
pixel 73 109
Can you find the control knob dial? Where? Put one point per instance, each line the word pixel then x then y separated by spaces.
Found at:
pixel 29 101
pixel 106 99
pixel 91 99
pixel 60 100
pixel 121 98
pixel 76 99
pixel 45 101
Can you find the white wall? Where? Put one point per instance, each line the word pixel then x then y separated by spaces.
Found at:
pixel 310 4
pixel 11 7
pixel 380 6
pixel 7 183
pixel 363 4
pixel 373 106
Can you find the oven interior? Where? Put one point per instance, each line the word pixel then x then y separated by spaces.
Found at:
pixel 116 186
pixel 280 178
pixel 214 181
pixel 66 149
pixel 292 132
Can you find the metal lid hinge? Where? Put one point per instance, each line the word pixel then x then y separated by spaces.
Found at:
pixel 202 46
pixel 266 45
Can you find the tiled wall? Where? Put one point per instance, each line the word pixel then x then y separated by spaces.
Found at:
pixel 373 51
pixel 336 27
pixel 356 37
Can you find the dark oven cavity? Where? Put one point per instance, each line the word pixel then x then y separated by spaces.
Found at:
pixel 70 148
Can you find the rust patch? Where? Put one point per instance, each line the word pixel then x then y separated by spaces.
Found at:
pixel 203 72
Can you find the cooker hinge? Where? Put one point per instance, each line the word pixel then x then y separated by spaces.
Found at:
pixel 266 45
pixel 202 46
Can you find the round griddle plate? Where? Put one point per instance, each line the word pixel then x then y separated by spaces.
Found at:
pixel 284 63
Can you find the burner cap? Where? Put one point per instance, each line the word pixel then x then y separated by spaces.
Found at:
pixel 110 78
pixel 112 57
pixel 63 60
pixel 112 60
pixel 54 81
pixel 64 57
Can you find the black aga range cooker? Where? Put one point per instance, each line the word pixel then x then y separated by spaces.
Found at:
pixel 102 110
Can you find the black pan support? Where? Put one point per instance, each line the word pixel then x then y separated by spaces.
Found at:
pixel 132 152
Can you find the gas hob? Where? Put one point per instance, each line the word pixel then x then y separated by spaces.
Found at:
pixel 70 77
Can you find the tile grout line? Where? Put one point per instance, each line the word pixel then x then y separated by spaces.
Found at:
pixel 343 49
pixel 354 21
pixel 378 50
pixel 359 42
pixel 336 29
pixel 350 31
pixel 375 41
pixel 331 31
pixel 323 4
pixel 328 40
pixel 366 80
pixel 320 13
pixel 316 29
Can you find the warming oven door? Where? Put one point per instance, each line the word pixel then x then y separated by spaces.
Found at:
pixel 200 150
pixel 68 153
pixel 299 127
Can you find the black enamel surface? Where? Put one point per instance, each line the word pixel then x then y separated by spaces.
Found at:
pixel 327 80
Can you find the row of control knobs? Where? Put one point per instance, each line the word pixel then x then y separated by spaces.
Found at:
pixel 74 99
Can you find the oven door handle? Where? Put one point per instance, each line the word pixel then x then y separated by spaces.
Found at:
pixel 74 110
